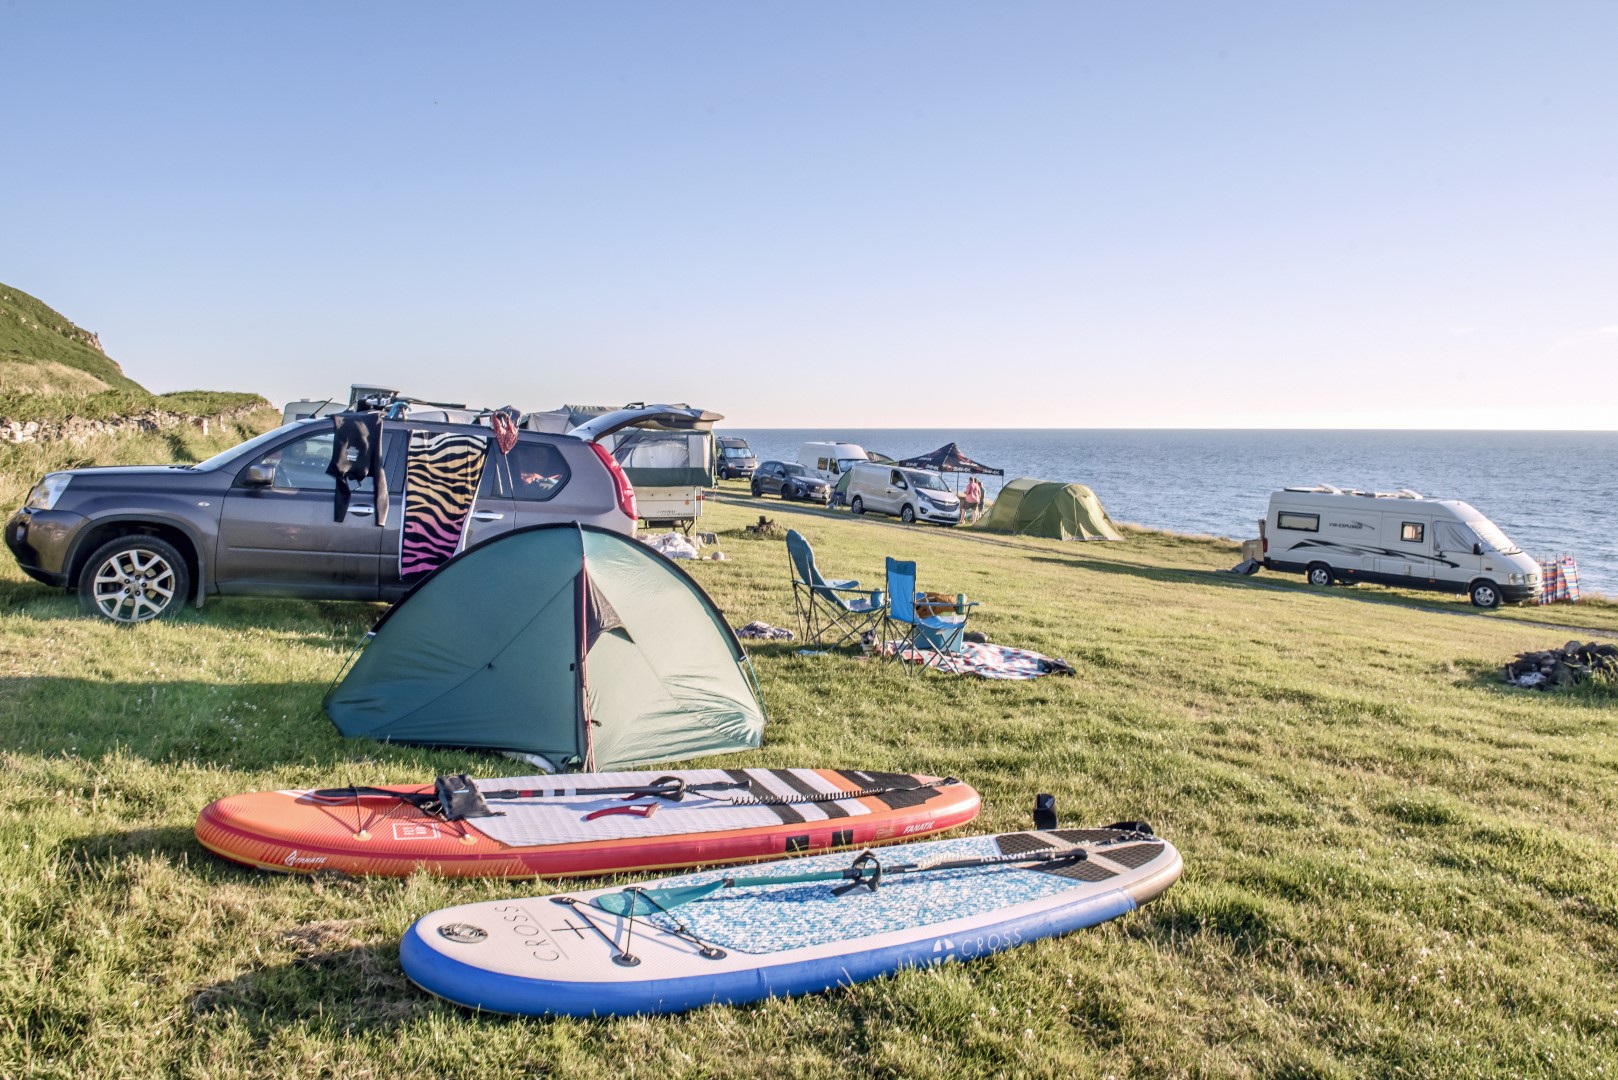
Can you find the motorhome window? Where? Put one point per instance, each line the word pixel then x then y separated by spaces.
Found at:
pixel 1411 532
pixel 1448 536
pixel 1493 537
pixel 825 464
pixel 1300 522
pixel 538 471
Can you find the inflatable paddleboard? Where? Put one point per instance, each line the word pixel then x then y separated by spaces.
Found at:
pixel 790 927
pixel 588 823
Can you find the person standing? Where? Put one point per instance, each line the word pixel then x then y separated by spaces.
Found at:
pixel 972 499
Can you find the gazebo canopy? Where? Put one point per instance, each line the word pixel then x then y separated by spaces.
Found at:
pixel 948 458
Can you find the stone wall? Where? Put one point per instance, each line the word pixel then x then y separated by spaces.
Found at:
pixel 78 430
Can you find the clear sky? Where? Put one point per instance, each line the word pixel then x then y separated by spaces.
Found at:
pixel 850 215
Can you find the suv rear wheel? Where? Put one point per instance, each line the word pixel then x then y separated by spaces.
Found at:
pixel 132 579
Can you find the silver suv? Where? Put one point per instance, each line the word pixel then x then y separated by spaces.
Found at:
pixel 258 519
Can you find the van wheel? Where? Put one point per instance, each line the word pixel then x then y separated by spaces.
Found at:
pixel 1319 575
pixel 858 505
pixel 1486 594
pixel 134 579
pixel 908 514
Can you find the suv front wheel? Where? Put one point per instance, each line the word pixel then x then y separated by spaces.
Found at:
pixel 134 579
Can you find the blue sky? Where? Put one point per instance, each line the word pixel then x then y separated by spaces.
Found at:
pixel 846 215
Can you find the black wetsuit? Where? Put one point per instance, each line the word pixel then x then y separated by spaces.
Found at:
pixel 361 432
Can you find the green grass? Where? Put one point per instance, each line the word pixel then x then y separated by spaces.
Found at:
pixel 1395 864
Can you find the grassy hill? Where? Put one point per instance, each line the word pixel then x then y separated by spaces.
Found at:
pixel 43 352
pixel 1395 864
pixel 52 370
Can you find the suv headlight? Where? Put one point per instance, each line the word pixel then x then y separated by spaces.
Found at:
pixel 47 491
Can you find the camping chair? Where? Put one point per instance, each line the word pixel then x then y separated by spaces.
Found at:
pixel 939 635
pixel 826 607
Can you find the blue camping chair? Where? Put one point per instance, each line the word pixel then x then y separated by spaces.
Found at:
pixel 828 608
pixel 939 635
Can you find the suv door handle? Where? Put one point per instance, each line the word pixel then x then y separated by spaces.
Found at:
pixel 488 515
pixel 363 511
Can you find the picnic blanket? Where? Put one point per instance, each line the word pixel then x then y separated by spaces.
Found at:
pixel 986 661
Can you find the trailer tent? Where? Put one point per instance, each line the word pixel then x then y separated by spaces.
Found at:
pixel 1031 507
pixel 568 641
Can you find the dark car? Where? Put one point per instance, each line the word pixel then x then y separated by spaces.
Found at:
pixel 137 542
pixel 790 480
pixel 736 459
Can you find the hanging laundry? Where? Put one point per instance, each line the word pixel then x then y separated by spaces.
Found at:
pixel 356 454
pixel 504 423
pixel 442 473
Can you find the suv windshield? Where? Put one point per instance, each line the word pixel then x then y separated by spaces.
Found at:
pixel 254 444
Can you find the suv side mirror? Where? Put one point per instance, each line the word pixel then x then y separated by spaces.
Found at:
pixel 259 474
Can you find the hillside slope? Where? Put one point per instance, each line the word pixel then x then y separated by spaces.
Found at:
pixel 42 351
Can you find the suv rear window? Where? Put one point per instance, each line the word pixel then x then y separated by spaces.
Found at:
pixel 538 471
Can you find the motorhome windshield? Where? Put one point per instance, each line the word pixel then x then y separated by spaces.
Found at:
pixel 927 481
pixel 1491 535
pixel 846 463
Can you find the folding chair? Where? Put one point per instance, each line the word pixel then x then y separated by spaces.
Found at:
pixel 939 635
pixel 826 607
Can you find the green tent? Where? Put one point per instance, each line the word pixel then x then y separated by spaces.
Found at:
pixel 568 641
pixel 1032 507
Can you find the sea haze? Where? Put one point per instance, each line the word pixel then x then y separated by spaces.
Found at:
pixel 1553 492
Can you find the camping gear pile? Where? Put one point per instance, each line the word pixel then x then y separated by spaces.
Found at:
pixel 584 650
pixel 1573 663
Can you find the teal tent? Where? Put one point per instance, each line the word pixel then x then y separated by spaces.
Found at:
pixel 568 641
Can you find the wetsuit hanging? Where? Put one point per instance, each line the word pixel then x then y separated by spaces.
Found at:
pixel 360 433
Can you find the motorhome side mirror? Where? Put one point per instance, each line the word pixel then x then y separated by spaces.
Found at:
pixel 1477 549
pixel 260 474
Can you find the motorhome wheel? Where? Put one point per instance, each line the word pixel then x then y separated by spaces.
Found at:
pixel 1486 594
pixel 858 505
pixel 1319 575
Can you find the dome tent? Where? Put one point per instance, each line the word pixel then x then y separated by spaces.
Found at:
pixel 1048 508
pixel 569 641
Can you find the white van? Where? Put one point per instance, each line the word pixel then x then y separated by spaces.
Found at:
pixel 1401 538
pixel 908 494
pixel 830 460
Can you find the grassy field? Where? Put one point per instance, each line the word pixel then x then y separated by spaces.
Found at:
pixel 1395 864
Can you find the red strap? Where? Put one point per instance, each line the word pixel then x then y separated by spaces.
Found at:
pixel 644 810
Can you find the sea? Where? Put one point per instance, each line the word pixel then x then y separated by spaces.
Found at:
pixel 1553 492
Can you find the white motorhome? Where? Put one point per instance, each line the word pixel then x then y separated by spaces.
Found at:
pixel 908 494
pixel 1399 538
pixel 830 460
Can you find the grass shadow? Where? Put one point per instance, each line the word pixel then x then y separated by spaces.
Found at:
pixel 357 988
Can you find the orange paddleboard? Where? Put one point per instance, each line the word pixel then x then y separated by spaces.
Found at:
pixel 562 826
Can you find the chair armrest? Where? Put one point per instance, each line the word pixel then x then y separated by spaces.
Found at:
pixel 843 586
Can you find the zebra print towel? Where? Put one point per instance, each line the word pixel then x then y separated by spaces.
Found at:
pixel 442 473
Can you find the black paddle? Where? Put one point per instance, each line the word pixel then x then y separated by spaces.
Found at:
pixel 865 870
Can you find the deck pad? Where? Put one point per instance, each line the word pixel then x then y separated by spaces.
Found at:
pixel 568 954
pixel 571 832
